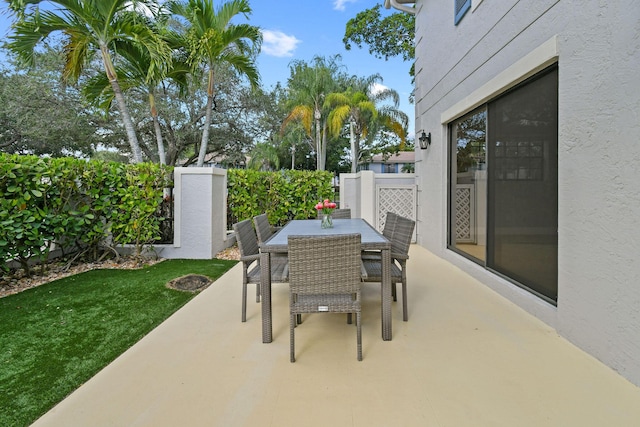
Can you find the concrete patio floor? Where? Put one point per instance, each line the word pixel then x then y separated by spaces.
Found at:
pixel 466 357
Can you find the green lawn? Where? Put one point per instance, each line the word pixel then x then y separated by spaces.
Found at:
pixel 56 336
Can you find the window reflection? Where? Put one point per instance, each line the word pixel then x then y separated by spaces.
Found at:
pixel 469 184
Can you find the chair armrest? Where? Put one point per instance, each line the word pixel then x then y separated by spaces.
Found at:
pixel 248 258
pixel 399 256
pixel 363 271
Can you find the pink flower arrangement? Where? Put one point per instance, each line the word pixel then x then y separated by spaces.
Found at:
pixel 326 207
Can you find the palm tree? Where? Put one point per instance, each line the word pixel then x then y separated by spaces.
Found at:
pixel 212 39
pixel 87 27
pixel 137 73
pixel 309 85
pixel 357 106
pixel 264 157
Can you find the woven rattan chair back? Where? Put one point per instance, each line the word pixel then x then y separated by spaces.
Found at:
pixel 263 227
pixel 387 231
pixel 402 235
pixel 337 214
pixel 325 276
pixel 246 238
pixel 249 254
pixel 389 224
pixel 341 214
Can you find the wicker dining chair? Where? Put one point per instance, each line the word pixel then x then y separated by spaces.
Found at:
pixel 264 229
pixel 250 258
pixel 338 214
pixel 325 276
pixel 341 214
pixel 400 243
pixel 387 231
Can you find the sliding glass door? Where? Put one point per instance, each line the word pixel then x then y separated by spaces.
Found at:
pixel 504 185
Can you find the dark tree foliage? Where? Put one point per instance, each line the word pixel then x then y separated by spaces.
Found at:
pixel 234 125
pixel 388 36
pixel 40 115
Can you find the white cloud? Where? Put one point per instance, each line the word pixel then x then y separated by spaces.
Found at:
pixel 340 4
pixel 377 88
pixel 277 43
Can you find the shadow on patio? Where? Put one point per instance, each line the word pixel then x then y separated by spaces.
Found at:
pixel 467 357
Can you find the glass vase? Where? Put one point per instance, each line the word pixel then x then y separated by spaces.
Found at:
pixel 327 221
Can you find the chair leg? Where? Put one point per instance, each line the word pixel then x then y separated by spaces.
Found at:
pixel 349 318
pixel 359 327
pixel 244 302
pixel 292 342
pixel 405 309
pixel 258 292
pixel 394 292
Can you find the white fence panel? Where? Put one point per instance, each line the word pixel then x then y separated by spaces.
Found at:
pixel 399 199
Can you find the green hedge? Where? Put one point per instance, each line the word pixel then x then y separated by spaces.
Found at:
pixel 283 195
pixel 76 205
pixel 89 207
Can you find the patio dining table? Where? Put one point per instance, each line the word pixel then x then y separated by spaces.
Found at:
pixel 371 239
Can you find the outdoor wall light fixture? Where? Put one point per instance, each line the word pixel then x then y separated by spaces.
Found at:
pixel 425 140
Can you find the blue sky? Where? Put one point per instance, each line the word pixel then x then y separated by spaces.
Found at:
pixel 300 30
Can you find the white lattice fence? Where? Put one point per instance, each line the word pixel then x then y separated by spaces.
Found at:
pixel 399 199
pixel 465 214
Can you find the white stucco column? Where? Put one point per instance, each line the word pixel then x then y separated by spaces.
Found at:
pixel 200 214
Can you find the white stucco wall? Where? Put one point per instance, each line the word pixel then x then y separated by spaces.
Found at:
pixel 597 46
pixel 200 229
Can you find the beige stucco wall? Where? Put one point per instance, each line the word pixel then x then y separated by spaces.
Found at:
pixel 597 47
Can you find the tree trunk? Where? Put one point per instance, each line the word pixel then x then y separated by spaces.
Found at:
pixel 325 139
pixel 156 126
pixel 319 162
pixel 207 120
pixel 354 147
pixel 122 106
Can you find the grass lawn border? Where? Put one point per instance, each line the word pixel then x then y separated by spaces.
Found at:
pixel 55 337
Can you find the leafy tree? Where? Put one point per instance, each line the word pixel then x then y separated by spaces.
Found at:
pixel 309 84
pixel 42 116
pixel 109 156
pixel 358 106
pixel 408 168
pixel 355 108
pixel 388 36
pixel 264 157
pixel 212 39
pixel 137 73
pixel 181 117
pixel 297 149
pixel 88 27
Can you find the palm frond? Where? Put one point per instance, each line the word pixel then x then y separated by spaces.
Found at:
pixel 76 52
pixel 337 119
pixel 98 92
pixel 302 114
pixel 229 10
pixel 243 65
